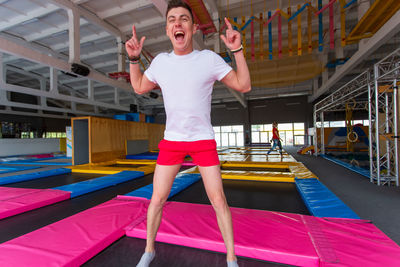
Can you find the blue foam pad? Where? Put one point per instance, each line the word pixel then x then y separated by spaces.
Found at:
pixel 149 119
pixel 32 176
pixel 95 184
pixel 123 117
pixel 39 161
pixel 356 169
pixel 181 182
pixel 321 202
pixel 146 155
pixel 44 163
pixel 8 169
pixel 33 159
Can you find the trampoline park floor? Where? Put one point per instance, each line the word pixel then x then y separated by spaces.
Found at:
pixel 245 194
pixel 127 251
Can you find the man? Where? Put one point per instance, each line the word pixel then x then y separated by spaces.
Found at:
pixel 276 139
pixel 186 78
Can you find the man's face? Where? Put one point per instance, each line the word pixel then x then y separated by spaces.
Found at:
pixel 180 30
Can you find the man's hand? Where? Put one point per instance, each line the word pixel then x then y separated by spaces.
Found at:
pixel 132 46
pixel 232 39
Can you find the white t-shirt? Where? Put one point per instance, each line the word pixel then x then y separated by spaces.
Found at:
pixel 186 83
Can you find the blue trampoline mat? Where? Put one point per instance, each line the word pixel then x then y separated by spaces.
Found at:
pixel 95 184
pixel 181 182
pixel 321 202
pixel 145 155
pixel 353 168
pixel 9 169
pixel 33 175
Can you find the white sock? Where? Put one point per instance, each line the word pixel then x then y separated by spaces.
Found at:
pixel 232 264
pixel 147 257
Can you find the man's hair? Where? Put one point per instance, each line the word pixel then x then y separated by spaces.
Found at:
pixel 178 3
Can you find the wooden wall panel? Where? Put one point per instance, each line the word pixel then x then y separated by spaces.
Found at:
pixel 107 137
pixel 156 133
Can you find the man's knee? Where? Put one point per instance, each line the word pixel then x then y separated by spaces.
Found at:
pixel 218 201
pixel 158 201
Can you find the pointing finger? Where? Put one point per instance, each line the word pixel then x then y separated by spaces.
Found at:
pixel 228 24
pixel 133 30
pixel 134 37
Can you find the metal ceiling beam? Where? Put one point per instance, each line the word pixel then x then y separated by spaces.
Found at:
pixel 144 25
pixel 30 16
pixel 53 31
pixel 32 55
pixel 47 108
pixel 118 10
pixel 93 18
pixel 78 2
pixel 35 92
pixel 84 39
pixel 212 6
pixel 74 36
pixel 33 114
pixel 379 38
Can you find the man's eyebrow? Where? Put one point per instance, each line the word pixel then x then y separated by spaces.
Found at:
pixel 173 16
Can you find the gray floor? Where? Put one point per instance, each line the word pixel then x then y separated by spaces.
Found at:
pixel 380 204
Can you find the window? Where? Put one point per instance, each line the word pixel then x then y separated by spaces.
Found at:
pixel 261 133
pixel 290 133
pixel 337 124
pixel 54 135
pixel 231 135
pixel 333 124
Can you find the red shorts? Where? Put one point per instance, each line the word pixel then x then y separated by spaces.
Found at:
pixel 203 152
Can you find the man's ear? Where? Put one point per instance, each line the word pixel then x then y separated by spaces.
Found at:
pixel 195 28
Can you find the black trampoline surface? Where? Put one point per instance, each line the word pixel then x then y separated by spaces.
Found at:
pixel 55 180
pixel 127 252
pixel 271 196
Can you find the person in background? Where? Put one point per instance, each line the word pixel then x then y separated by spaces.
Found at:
pixel 275 138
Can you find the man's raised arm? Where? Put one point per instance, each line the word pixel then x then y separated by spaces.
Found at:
pixel 238 80
pixel 139 82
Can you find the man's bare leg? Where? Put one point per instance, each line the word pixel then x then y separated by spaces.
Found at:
pixel 213 184
pixel 163 179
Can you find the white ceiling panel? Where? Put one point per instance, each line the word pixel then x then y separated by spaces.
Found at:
pixel 43 26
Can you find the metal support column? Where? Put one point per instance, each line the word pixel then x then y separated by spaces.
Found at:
pixel 315 133
pixel 371 119
pixel 385 169
pixel 322 134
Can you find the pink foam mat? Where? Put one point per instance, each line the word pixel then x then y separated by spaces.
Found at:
pixel 18 200
pixel 74 240
pixel 279 237
pixel 39 156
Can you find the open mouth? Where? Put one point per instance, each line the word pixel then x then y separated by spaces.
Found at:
pixel 179 35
